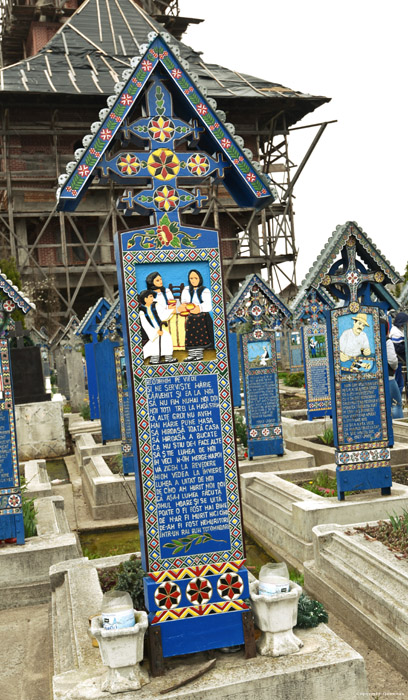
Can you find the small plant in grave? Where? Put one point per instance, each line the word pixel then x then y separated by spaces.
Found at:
pixel 310 612
pixel 296 379
pixel 393 534
pixel 130 579
pixel 29 511
pixel 327 438
pixel 322 485
pixel 85 411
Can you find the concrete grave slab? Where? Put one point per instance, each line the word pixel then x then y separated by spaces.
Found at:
pixel 289 460
pixel 325 455
pixel 318 670
pixel 37 481
pixel 108 496
pixel 365 584
pixel 24 569
pixel 280 515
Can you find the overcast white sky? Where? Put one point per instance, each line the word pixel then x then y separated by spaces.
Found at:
pixel 354 52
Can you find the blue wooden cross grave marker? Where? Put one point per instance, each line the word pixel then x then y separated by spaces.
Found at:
pixel 87 329
pixel 11 513
pixel 175 343
pixel 309 307
pixel 354 271
pixel 257 304
pixel 111 328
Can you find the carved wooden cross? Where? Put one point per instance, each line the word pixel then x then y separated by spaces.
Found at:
pixel 352 277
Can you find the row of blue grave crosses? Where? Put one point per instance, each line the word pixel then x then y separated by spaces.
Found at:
pixel 256 304
pixel 11 514
pixel 352 269
pixel 176 349
pixel 308 308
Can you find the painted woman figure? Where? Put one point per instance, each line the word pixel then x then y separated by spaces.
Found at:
pixel 162 295
pixel 196 298
pixel 156 339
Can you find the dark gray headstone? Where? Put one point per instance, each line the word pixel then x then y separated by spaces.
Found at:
pixel 27 374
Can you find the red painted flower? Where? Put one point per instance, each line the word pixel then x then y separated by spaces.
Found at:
pixel 202 109
pixel 126 99
pixel 9 306
pixel 225 143
pixel 164 234
pixel 147 66
pixel 161 129
pixel 251 177
pixel 176 73
pixel 128 164
pixel 106 134
pixel 83 171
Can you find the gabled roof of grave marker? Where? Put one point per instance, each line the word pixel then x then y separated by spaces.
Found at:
pixel 366 249
pixel 14 296
pixel 235 305
pixel 97 42
pixel 242 177
pixel 112 316
pixel 322 295
pixel 93 317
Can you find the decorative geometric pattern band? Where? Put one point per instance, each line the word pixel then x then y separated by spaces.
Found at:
pixel 199 611
pixel 356 456
pixel 363 465
pixel 193 571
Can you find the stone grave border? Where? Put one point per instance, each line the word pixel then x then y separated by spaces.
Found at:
pixel 280 515
pixel 365 584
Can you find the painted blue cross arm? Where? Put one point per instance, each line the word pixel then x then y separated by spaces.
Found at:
pixel 162 164
pixel 164 198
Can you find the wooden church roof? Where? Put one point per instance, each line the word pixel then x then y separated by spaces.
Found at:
pixel 91 49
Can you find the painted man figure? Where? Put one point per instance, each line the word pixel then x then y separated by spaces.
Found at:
pixel 354 342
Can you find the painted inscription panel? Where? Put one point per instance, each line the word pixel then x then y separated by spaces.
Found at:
pixel 173 303
pixel 316 367
pixel 359 381
pixel 261 393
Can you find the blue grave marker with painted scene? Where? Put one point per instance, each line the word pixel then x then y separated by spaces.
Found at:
pixel 256 303
pixel 354 271
pixel 11 513
pixel 87 329
pixel 176 347
pixel 309 307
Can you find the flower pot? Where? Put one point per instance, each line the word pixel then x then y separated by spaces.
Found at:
pixel 122 651
pixel 276 615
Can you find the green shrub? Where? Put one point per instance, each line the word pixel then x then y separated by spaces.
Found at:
pixel 295 379
pixel 130 579
pixel 85 411
pixel 310 612
pixel 240 429
pixel 67 408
